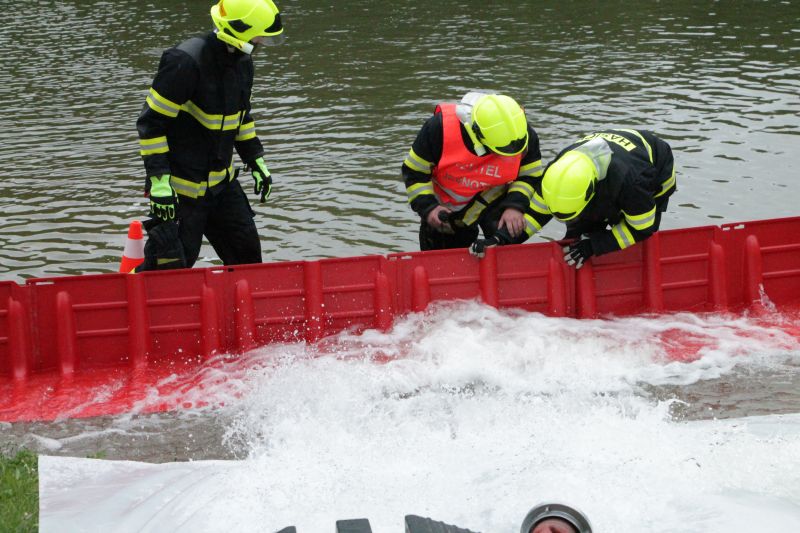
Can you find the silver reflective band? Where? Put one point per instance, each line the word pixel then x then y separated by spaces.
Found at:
pixel 464 114
pixel 599 152
pixel 556 510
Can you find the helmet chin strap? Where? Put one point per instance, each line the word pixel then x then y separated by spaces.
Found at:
pixel 230 40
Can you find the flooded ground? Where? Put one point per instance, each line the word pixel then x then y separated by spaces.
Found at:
pixel 745 369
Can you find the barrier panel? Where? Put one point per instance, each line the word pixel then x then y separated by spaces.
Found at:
pixel 530 277
pixel 63 329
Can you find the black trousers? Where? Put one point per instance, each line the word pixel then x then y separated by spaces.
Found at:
pixel 226 220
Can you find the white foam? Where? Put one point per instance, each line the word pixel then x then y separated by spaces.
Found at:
pixel 480 415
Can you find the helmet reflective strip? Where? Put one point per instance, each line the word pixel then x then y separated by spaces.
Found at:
pixel 418 189
pixel 623 235
pixel 641 222
pixel 156 145
pixel 668 183
pixel 159 104
pixel 531 169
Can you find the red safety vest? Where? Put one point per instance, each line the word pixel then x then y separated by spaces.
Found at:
pixel 460 174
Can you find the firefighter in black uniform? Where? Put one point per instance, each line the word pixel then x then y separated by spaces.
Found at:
pixel 197 111
pixel 472 165
pixel 609 188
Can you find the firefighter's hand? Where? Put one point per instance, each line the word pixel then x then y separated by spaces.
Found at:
pixel 163 199
pixel 438 219
pixel 513 221
pixel 501 237
pixel 478 248
pixel 576 253
pixel 262 178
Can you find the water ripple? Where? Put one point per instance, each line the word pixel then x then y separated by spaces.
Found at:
pixel 339 104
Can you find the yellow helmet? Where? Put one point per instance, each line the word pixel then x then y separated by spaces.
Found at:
pixel 499 123
pixel 240 21
pixel 569 184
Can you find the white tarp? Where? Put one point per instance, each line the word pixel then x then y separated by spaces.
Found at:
pixel 93 495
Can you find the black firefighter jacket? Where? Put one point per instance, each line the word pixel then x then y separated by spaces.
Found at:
pixel 197 111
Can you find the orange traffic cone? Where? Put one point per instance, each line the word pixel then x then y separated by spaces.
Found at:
pixel 133 255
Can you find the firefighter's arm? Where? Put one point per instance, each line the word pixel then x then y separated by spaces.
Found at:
pixel 418 167
pixel 171 89
pixel 640 219
pixel 522 197
pixel 530 172
pixel 247 143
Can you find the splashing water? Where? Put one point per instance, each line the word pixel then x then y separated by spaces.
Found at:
pixel 472 415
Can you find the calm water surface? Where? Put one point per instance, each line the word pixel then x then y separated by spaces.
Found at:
pixel 339 104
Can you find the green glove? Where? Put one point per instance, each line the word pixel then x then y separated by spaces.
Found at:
pixel 262 178
pixel 163 199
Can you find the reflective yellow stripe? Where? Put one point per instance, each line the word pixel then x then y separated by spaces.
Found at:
pixel 531 225
pixel 415 162
pixel 537 204
pixel 668 183
pixel 474 211
pixel 623 235
pixel 188 188
pixel 216 177
pixel 195 190
pixel 246 131
pixel 212 122
pixel 156 145
pixel 521 187
pixel 159 104
pixel 641 222
pixel 531 169
pixel 418 189
pixel 646 144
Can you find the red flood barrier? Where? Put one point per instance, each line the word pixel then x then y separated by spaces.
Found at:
pixel 56 333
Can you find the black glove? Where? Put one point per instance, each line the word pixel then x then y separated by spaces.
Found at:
pixel 164 248
pixel 478 248
pixel 576 253
pixel 447 226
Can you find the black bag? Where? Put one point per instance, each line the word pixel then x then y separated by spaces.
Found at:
pixel 163 249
